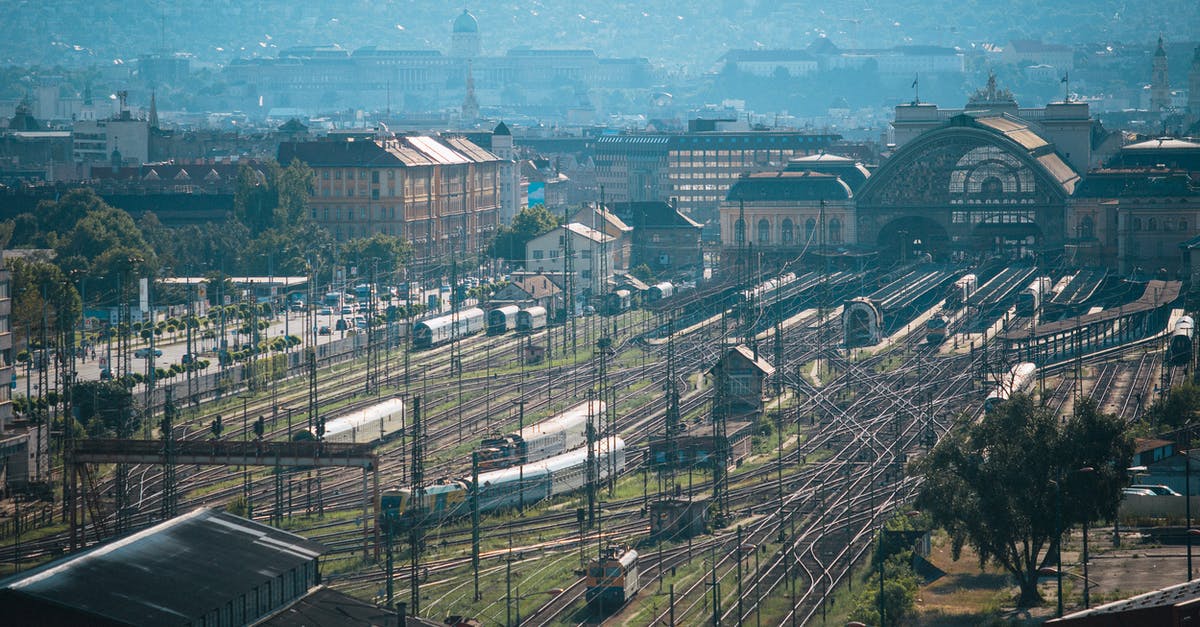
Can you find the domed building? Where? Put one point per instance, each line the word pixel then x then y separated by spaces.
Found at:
pixel 987 179
pixel 464 40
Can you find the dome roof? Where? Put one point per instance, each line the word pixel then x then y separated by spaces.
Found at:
pixel 466 23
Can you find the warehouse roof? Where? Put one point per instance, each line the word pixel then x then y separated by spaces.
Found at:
pixel 170 573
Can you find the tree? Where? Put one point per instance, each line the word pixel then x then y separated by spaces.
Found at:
pixel 389 251
pixel 105 408
pixel 995 485
pixel 1175 410
pixel 40 292
pixel 271 196
pixel 511 239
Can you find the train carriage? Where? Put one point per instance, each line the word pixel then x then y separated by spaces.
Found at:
pixel 1179 351
pixel 531 319
pixel 502 319
pixel 612 577
pixel 371 424
pixel 442 329
pixel 558 434
pixel 659 291
pixel 617 301
pixel 935 329
pixel 960 291
pixel 509 487
pixel 1019 378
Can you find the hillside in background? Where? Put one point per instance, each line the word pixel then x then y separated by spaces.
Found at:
pixel 688 36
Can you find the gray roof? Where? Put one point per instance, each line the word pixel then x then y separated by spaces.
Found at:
pixel 168 574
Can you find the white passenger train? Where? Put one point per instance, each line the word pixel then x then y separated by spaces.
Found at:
pixel 1018 379
pixel 371 424
pixel 442 329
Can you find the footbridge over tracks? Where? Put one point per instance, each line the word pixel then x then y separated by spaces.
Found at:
pixel 1055 342
pixel 866 320
pixel 82 497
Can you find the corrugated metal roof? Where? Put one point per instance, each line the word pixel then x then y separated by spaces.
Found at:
pixel 471 150
pixel 435 150
pixel 1061 172
pixel 170 573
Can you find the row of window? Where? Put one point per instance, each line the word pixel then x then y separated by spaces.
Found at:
pixel 1152 224
pixel 787 231
pixel 553 254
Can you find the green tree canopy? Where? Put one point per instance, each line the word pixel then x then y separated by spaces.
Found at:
pixel 41 292
pixel 511 239
pixel 994 485
pixel 272 196
pixel 105 408
pixel 388 252
pixel 1175 410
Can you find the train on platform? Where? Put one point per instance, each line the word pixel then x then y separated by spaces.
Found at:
pixel 501 320
pixel 935 329
pixel 1179 351
pixel 558 434
pixel 442 329
pixel 612 577
pixel 764 290
pixel 1018 379
pixel 1029 300
pixel 505 488
pixel 376 423
pixel 961 290
pixel 532 319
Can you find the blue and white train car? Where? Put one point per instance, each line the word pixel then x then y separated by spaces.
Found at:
pixel 442 329
pixel 555 435
pixel 509 487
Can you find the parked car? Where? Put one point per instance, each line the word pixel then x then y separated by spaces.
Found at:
pixel 347 310
pixel 143 353
pixel 1157 490
pixel 1136 492
pixel 324 330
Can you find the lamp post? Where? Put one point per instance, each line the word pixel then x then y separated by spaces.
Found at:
pixel 1187 505
pixel 1058 537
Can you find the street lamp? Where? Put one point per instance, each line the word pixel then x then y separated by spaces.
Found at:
pixel 1187 505
pixel 1058 535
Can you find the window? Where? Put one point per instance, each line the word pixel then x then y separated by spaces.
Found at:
pixel 739 231
pixel 1152 225
pixel 764 231
pixel 1087 227
pixel 375 177
pixel 375 193
pixel 835 231
pixel 786 231
pixel 325 174
pixel 587 274
pixel 537 254
pixel 1137 224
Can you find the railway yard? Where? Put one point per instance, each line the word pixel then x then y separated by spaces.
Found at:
pixel 865 371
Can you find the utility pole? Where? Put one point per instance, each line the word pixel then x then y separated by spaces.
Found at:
pixel 591 458
pixel 170 493
pixel 417 498
pixel 475 520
